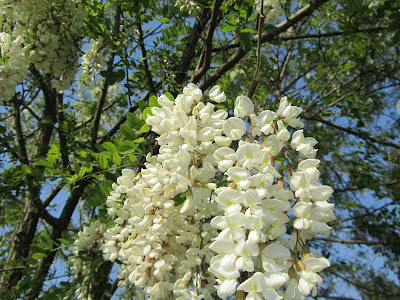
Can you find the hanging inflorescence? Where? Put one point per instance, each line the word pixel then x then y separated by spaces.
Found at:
pixel 226 206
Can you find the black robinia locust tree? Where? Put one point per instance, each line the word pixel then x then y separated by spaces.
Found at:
pixel 79 77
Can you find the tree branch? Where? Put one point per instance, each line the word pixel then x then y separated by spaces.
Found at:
pixel 110 66
pixel 358 242
pixel 256 77
pixel 205 57
pixel 336 297
pixel 371 70
pixel 23 156
pixel 330 34
pixel 360 286
pixel 354 188
pixel 64 220
pixel 362 135
pixel 307 36
pixel 53 194
pixel 266 37
pixel 144 55
pixel 283 70
pixel 361 216
pixel 188 53
pixel 61 131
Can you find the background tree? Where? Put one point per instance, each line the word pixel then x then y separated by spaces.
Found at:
pixel 76 78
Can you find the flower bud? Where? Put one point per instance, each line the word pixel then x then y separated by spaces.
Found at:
pixel 292 273
pixel 307 256
pixel 240 295
pixel 281 183
pixel 262 247
pixel 300 266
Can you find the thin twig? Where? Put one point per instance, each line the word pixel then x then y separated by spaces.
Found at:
pixel 53 194
pixel 267 36
pixel 18 131
pixel 362 135
pixel 330 34
pixel 62 131
pixel 110 66
pixel 192 41
pixel 369 213
pixel 354 188
pixel 144 55
pixel 205 57
pixel 361 286
pixel 358 242
pixel 256 76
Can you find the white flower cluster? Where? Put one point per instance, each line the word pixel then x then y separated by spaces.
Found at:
pixel 13 67
pixel 227 231
pixel 49 33
pixel 94 60
pixel 272 10
pixel 187 5
pixel 87 240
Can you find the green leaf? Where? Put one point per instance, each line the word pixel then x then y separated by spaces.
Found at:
pixel 142 105
pixel 82 172
pixel 139 140
pixel 27 169
pixel 270 27
pixel 106 187
pixel 103 161
pixel 153 101
pixel 146 113
pixel 126 149
pixel 248 30
pixel 245 41
pixel 113 77
pixel 345 67
pixel 162 20
pixel 109 147
pixel 45 241
pixel 180 198
pixel 134 121
pixel 116 159
pixel 170 96
pixel 228 27
pixel 64 241
pixel 145 128
pixel 280 157
pixel 53 154
pixel 38 255
pixel 127 131
pixel 283 167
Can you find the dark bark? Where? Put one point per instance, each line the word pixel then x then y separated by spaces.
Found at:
pixel 33 207
pixel 266 37
pixel 44 266
pixel 189 52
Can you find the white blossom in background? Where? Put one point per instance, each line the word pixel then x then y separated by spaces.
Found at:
pixel 87 242
pixel 51 40
pixel 94 60
pixel 273 10
pixel 13 66
pixel 187 5
pixel 182 232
